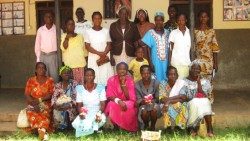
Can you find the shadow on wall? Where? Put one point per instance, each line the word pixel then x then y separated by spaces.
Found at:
pixel 17 60
pixel 234 59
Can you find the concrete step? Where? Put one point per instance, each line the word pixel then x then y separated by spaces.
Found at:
pixel 8 117
pixel 8 127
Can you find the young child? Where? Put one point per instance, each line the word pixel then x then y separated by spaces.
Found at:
pixel 135 64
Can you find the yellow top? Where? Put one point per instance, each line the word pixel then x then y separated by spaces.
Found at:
pixel 135 66
pixel 74 55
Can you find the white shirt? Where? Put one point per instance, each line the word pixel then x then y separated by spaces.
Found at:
pixel 182 46
pixel 81 28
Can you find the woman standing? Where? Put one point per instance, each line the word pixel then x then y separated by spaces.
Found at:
pixel 147 93
pixel 124 36
pixel 180 45
pixel 121 107
pixel 143 25
pixel 206 48
pixel 82 25
pixel 38 92
pixel 199 107
pixel 90 100
pixel 171 24
pixel 174 106
pixel 157 40
pixel 64 100
pixel 73 51
pixel 98 44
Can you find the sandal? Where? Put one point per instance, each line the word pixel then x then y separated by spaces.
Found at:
pixel 210 134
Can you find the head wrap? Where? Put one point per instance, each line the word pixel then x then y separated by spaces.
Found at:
pixel 195 62
pixel 146 12
pixel 160 14
pixel 67 68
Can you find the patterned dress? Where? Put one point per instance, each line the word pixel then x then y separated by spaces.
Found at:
pixel 197 107
pixel 170 27
pixel 159 47
pixel 177 113
pixel 205 45
pixel 60 117
pixel 41 119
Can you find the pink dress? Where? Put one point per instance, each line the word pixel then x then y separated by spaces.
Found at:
pixel 124 119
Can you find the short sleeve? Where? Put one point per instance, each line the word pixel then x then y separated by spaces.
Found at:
pixel 171 37
pixel 103 95
pixel 51 86
pixel 214 46
pixel 206 86
pixel 147 39
pixel 84 48
pixel 131 65
pixel 86 37
pixel 28 87
pixel 62 40
pixel 108 36
pixel 79 91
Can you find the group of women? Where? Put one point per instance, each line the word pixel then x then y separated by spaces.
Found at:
pixel 90 90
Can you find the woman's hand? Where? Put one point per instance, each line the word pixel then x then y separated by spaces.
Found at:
pixel 122 105
pixel 102 55
pixel 122 80
pixel 82 116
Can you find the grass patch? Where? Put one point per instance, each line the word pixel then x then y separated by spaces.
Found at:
pixel 227 134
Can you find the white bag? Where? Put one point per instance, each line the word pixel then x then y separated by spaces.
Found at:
pixel 22 120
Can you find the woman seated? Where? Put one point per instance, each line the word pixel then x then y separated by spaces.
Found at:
pixel 121 107
pixel 38 92
pixel 199 106
pixel 64 100
pixel 173 104
pixel 90 100
pixel 147 92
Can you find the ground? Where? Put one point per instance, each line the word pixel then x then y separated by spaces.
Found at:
pixel 231 120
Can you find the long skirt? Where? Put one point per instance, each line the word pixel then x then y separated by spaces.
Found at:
pixel 197 109
pixel 126 120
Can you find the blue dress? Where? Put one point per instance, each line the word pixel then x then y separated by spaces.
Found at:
pixel 159 46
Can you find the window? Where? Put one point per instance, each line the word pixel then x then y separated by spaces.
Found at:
pixel 66 10
pixel 183 7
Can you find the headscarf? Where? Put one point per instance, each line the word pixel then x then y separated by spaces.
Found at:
pixel 159 14
pixel 195 62
pixel 67 68
pixel 146 12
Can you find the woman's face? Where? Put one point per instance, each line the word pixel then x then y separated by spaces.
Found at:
pixel 172 12
pixel 97 20
pixel 123 14
pixel 159 22
pixel 122 70
pixel 181 21
pixel 195 71
pixel 141 16
pixel 66 75
pixel 40 70
pixel 172 75
pixel 89 76
pixel 204 18
pixel 70 26
pixel 146 74
pixel 80 14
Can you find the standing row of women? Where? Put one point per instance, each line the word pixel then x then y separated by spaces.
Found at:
pixel 86 95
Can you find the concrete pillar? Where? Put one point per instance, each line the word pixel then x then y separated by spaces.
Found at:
pixel 58 30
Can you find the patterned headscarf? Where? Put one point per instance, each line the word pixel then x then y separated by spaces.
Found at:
pixel 195 62
pixel 67 68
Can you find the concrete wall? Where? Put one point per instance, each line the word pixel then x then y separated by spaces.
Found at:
pixel 17 59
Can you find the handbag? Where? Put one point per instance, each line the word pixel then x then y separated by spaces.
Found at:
pixel 22 120
pixel 102 61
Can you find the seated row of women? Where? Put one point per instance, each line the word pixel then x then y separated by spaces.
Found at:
pixel 127 104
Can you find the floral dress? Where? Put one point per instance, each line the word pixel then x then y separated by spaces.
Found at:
pixel 41 119
pixel 205 45
pixel 61 117
pixel 177 113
